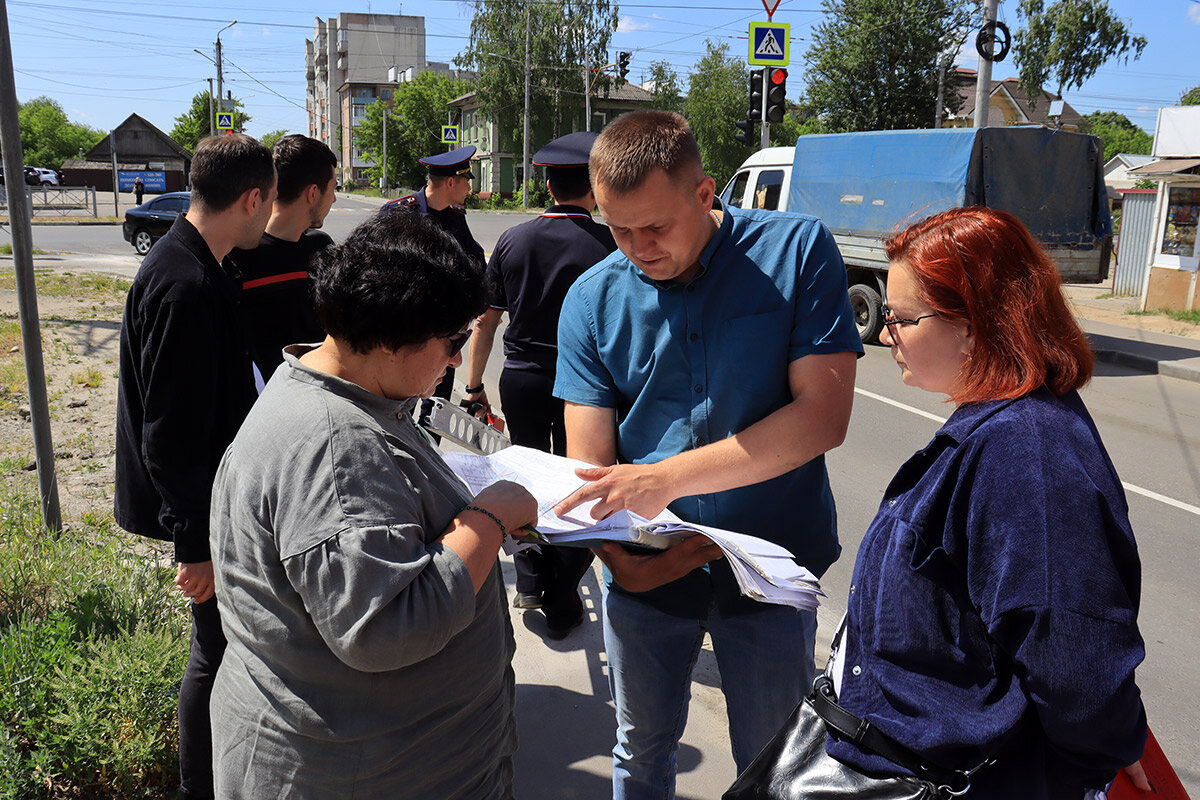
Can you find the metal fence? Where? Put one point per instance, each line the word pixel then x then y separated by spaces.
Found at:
pixel 1134 244
pixel 56 201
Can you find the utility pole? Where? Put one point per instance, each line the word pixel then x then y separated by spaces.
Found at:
pixel 212 131
pixel 587 92
pixel 983 79
pixel 525 168
pixel 220 75
pixel 19 212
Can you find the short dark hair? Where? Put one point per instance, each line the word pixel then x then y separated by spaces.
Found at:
pixel 226 167
pixel 568 183
pixel 397 280
pixel 302 161
pixel 635 144
pixel 982 266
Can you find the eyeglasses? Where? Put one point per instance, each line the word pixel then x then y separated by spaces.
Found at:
pixel 456 342
pixel 891 320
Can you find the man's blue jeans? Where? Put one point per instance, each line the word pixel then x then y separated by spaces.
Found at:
pixel 766 664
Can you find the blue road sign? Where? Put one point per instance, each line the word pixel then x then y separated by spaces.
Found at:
pixel 449 134
pixel 225 120
pixel 769 43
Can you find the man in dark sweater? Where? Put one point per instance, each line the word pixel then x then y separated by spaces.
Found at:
pixel 276 298
pixel 185 385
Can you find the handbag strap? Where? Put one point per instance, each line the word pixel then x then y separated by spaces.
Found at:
pixel 849 726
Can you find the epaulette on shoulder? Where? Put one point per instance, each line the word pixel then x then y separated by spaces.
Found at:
pixel 407 200
pixel 458 208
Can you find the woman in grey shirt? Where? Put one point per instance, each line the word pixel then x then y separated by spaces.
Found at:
pixel 369 644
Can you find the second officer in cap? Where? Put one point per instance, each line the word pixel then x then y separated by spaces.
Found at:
pixel 441 200
pixel 531 269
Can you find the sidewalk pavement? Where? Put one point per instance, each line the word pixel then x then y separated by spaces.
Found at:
pixel 1153 343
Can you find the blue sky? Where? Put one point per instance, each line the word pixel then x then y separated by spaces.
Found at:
pixel 105 59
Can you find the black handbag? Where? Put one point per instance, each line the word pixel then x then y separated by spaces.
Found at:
pixel 795 766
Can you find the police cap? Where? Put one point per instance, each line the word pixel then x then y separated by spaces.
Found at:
pixel 571 150
pixel 456 162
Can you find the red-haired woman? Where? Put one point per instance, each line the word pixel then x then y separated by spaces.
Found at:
pixel 993 609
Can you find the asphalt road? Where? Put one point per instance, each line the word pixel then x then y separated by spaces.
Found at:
pixel 1150 424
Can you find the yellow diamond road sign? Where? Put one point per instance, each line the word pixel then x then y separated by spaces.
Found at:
pixel 449 134
pixel 769 43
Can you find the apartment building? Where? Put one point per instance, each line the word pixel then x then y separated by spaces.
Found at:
pixel 347 64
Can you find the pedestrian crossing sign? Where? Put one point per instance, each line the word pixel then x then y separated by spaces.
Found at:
pixel 225 121
pixel 769 43
pixel 449 134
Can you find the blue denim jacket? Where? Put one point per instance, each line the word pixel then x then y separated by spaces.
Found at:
pixel 997 587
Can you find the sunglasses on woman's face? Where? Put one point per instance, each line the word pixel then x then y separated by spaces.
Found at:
pixel 457 341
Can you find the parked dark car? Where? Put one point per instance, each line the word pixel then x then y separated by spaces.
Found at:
pixel 145 224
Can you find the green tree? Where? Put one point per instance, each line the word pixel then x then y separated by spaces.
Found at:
pixel 1191 97
pixel 271 138
pixel 668 95
pixel 48 138
pixel 1064 44
pixel 193 125
pixel 1118 133
pixel 565 36
pixel 414 126
pixel 873 64
pixel 716 99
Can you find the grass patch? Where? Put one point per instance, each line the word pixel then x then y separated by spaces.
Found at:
pixel 91 378
pixel 51 283
pixel 1192 317
pixel 12 365
pixel 93 642
pixel 6 249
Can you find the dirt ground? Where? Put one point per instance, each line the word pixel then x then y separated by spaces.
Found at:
pixel 81 323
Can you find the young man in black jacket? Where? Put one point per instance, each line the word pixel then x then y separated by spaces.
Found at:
pixel 276 290
pixel 185 385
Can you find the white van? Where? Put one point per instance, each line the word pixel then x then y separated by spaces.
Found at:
pixel 762 181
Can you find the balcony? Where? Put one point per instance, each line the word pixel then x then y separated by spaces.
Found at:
pixel 343 41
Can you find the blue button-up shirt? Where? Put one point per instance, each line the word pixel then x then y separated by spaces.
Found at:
pixel 689 364
pixel 998 586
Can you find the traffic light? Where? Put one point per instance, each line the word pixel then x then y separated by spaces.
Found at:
pixel 756 95
pixel 745 134
pixel 623 63
pixel 776 95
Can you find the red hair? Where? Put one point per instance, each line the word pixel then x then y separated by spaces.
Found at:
pixel 982 266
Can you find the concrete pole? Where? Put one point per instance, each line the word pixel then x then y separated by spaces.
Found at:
pixel 220 74
pixel 19 214
pixel 983 82
pixel 212 131
pixel 525 168
pixel 587 93
pixel 112 152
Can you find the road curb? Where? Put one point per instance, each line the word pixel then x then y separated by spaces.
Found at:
pixel 1148 364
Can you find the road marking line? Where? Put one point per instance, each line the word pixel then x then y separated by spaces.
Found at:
pixel 1129 487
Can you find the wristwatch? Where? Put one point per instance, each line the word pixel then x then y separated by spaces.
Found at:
pixel 474 389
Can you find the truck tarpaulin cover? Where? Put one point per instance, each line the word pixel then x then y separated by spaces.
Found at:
pixel 875 183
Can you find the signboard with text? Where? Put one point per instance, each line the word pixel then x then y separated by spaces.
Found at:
pixel 153 180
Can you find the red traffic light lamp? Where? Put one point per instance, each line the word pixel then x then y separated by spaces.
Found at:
pixel 776 94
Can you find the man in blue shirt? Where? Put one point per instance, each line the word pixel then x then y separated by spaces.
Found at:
pixel 708 365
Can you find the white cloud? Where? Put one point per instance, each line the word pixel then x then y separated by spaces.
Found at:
pixel 628 25
pixel 266 31
pixel 658 16
pixel 1146 110
pixel 1194 13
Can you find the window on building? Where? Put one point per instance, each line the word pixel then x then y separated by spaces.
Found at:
pixel 1178 244
pixel 385 94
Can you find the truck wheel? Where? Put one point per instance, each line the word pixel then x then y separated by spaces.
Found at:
pixel 868 316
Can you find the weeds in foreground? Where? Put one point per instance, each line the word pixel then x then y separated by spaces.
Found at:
pixel 1191 317
pixel 93 643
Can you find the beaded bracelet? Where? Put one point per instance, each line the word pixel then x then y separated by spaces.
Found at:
pixel 486 513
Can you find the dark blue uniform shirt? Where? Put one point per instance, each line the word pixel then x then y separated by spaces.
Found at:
pixel 452 219
pixel 532 267
pixel 998 586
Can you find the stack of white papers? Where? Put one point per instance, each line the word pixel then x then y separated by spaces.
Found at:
pixel 764 570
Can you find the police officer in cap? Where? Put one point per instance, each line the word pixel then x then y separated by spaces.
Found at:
pixel 531 269
pixel 446 188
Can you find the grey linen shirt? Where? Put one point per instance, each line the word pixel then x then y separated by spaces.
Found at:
pixel 360 662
